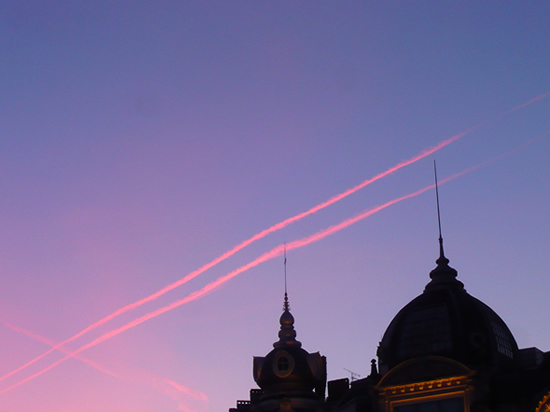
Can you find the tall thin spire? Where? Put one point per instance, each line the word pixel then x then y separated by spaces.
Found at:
pixel 443 275
pixel 287 334
pixel 285 306
pixel 441 252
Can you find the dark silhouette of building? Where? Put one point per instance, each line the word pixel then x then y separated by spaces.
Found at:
pixel 445 351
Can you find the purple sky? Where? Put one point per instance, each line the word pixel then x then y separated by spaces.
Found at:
pixel 140 140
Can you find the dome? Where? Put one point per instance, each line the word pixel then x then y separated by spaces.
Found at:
pixel 447 321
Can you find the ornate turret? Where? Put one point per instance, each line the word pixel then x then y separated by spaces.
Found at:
pixel 289 376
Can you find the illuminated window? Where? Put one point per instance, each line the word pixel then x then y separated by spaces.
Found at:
pixel 444 405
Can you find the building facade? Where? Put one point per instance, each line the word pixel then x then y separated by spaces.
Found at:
pixel 445 351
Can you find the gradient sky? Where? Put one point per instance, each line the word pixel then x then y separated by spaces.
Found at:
pixel 139 140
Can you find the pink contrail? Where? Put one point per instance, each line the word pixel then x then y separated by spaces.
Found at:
pixel 193 393
pixel 274 228
pixel 245 243
pixel 521 106
pixel 277 251
pixel 187 390
pixel 49 342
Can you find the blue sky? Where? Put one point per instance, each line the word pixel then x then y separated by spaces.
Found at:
pixel 140 140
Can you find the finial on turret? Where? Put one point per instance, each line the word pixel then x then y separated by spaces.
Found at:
pixel 287 334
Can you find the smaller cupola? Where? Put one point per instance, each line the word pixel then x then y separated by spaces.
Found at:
pixel 289 372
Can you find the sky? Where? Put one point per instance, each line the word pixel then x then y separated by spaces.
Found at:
pixel 141 140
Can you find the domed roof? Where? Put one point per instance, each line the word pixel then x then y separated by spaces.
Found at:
pixel 447 321
pixel 288 370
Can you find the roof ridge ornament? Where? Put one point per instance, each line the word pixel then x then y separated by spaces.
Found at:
pixel 443 274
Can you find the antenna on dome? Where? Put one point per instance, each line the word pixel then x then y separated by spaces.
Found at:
pixel 441 253
pixel 443 275
pixel 284 248
pixel 286 307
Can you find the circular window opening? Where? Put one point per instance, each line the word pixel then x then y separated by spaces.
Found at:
pixel 283 364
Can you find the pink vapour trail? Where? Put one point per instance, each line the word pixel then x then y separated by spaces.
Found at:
pixel 530 102
pixel 49 342
pixel 275 252
pixel 274 228
pixel 245 243
pixel 163 383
